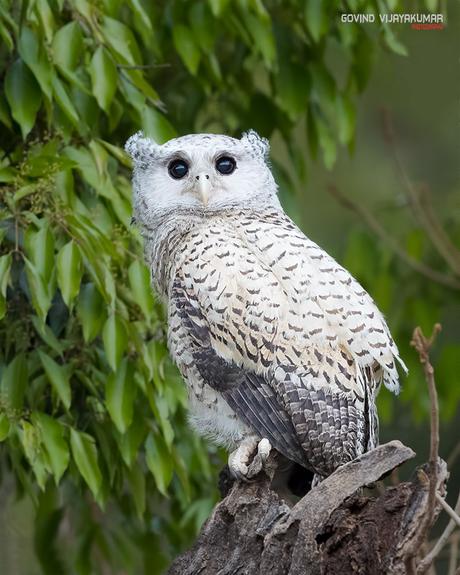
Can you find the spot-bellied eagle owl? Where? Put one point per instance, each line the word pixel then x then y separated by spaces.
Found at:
pixel 278 344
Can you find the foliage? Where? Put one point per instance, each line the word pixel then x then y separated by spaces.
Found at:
pixel 92 419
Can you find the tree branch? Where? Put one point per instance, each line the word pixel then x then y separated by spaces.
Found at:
pixel 372 222
pixel 448 509
pixel 440 543
pixel 420 201
pixel 454 540
pixel 423 345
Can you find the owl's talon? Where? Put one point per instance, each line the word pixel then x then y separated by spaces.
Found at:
pixel 240 463
pixel 263 449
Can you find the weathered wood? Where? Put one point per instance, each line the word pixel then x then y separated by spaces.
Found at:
pixel 333 529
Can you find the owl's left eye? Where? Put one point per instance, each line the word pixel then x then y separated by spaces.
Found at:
pixel 178 169
pixel 225 165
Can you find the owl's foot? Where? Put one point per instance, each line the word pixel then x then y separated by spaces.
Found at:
pixel 249 458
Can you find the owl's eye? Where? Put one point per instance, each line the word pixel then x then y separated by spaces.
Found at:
pixel 178 169
pixel 225 165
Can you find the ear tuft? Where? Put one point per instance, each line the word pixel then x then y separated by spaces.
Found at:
pixel 257 145
pixel 142 150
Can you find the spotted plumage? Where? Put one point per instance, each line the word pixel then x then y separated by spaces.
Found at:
pixel 273 337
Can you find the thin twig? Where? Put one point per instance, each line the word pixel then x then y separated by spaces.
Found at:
pixel 440 543
pixel 380 231
pixel 453 557
pixel 448 509
pixel 439 236
pixel 423 345
pixel 420 202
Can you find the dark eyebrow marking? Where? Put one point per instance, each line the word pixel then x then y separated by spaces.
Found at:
pixel 220 154
pixel 175 155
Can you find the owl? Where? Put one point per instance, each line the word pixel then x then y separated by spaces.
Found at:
pixel 279 346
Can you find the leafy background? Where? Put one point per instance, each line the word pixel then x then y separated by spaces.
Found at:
pixel 99 471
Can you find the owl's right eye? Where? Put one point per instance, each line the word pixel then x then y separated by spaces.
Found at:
pixel 178 169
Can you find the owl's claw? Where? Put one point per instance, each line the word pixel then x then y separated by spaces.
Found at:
pixel 240 463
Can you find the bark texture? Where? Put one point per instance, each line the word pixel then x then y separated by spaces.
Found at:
pixel 333 529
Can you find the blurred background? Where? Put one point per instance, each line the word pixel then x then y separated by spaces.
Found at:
pixel 99 470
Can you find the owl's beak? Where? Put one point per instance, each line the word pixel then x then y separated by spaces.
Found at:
pixel 203 187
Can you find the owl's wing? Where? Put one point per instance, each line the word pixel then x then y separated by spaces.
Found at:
pixel 246 392
pixel 325 298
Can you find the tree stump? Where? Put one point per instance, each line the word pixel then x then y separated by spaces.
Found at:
pixel 334 529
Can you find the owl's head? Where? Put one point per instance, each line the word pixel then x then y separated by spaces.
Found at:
pixel 199 172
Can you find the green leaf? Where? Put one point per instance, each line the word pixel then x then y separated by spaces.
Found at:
pixel 137 79
pixel 56 447
pixel 7 175
pixel 65 103
pixel 186 47
pixel 31 441
pixel 393 43
pixel 119 396
pixel 68 46
pixel 139 11
pixel 292 87
pixel 131 94
pixel 203 25
pixel 48 515
pixel 262 34
pixel 91 311
pixel 6 37
pixel 23 95
pixel 14 382
pixel 363 59
pixel 86 165
pixel 40 249
pixel 33 53
pixel 159 461
pixel 136 478
pixel 121 40
pixel 69 272
pixel 139 280
pixel 84 453
pixel 4 427
pixel 3 306
pixel 5 268
pixel 109 285
pixel 39 290
pixel 218 6
pixel 58 376
pixel 156 126
pixel 47 19
pixel 5 113
pixel 130 441
pixel 316 18
pixel 326 140
pixel 104 78
pixel 117 153
pixel 47 334
pixel 346 118
pixel 115 340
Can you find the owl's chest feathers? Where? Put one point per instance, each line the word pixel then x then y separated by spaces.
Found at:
pixel 163 244
pixel 182 236
pixel 209 248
